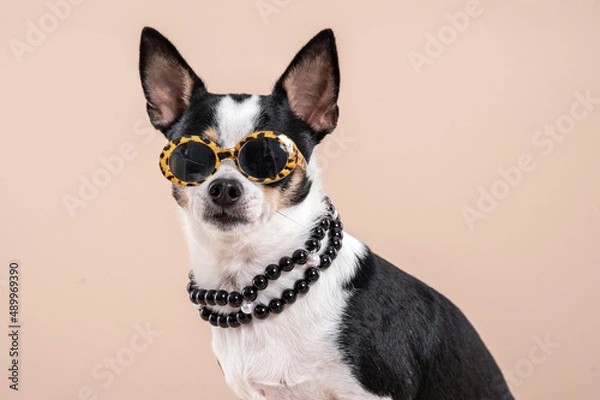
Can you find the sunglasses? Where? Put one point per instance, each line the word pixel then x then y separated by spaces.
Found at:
pixel 263 157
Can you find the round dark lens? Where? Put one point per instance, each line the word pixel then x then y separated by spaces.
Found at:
pixel 262 158
pixel 192 162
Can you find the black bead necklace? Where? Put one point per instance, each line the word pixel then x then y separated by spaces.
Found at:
pixel 244 299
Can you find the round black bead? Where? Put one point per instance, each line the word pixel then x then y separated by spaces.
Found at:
pixel 300 256
pixel 235 299
pixel 301 286
pixel 276 306
pixel 190 287
pixel 326 224
pixel 273 271
pixel 325 262
pixel 221 298
pixel 209 298
pixel 319 233
pixel 249 293
pixel 200 295
pixel 286 264
pixel 336 243
pixel 223 321
pixel 232 321
pixel 243 318
pixel 312 274
pixel 194 296
pixel 213 319
pixel 336 234
pixel 337 225
pixel 288 296
pixel 260 282
pixel 205 313
pixel 313 245
pixel 261 311
pixel 331 252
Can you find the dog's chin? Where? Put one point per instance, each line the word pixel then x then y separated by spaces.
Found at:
pixel 225 221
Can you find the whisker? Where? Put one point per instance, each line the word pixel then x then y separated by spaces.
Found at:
pixel 296 222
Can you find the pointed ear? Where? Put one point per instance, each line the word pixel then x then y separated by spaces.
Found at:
pixel 167 79
pixel 311 83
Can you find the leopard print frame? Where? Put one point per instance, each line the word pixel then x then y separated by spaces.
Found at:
pixel 295 157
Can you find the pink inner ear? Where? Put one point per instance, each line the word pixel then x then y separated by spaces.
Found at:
pixel 169 88
pixel 311 93
pixel 164 103
pixel 302 110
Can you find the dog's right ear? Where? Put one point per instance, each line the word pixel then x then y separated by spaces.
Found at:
pixel 167 79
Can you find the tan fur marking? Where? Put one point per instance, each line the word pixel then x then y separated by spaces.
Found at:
pixel 211 134
pixel 279 199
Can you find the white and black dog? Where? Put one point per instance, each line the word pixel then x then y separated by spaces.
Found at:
pixel 365 329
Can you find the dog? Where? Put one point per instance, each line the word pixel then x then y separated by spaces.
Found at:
pixel 300 309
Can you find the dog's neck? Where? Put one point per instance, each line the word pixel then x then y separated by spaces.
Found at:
pixel 229 261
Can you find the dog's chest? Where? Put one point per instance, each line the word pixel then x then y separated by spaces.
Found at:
pixel 295 355
pixel 286 364
pixel 271 361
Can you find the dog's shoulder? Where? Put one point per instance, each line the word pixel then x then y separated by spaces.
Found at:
pixel 397 332
pixel 379 285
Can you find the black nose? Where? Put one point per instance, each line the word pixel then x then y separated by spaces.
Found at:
pixel 225 192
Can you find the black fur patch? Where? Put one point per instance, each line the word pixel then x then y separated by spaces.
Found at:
pixel 406 341
pixel 239 97
pixel 199 116
pixel 301 191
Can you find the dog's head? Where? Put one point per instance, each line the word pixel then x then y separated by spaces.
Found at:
pixel 302 106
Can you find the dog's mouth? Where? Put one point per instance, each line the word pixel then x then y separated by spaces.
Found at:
pixel 224 219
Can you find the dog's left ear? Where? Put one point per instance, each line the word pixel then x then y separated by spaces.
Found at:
pixel 311 84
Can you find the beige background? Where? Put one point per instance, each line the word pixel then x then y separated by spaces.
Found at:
pixel 525 273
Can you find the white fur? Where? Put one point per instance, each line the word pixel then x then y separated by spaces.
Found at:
pixel 236 120
pixel 293 355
